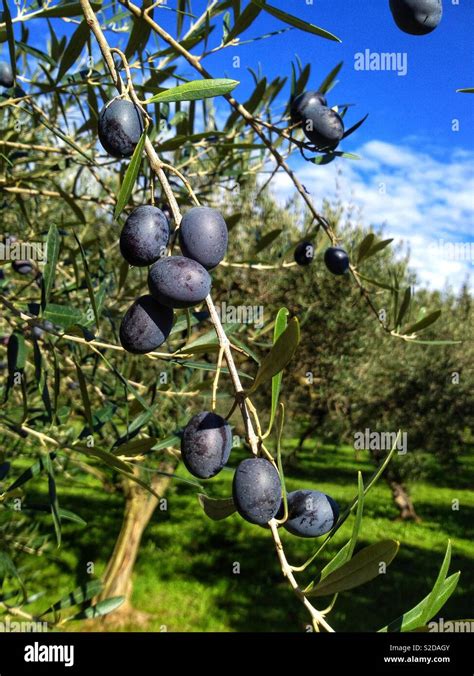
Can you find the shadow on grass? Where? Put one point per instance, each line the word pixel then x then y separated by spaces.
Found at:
pixel 235 565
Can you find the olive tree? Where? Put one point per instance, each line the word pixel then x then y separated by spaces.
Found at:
pixel 74 397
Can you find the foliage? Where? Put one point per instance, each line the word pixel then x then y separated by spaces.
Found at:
pixel 73 405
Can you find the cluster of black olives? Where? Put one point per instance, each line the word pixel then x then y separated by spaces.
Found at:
pixel 321 124
pixel 173 281
pixel 335 258
pixel 182 282
pixel 205 449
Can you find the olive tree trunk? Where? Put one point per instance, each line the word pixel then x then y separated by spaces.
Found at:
pixel 139 507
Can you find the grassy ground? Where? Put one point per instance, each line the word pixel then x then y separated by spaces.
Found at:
pixel 186 578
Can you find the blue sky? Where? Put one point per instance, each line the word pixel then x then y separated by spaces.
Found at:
pixel 408 144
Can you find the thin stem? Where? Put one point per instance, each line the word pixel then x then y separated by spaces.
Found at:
pixel 216 378
pixel 288 573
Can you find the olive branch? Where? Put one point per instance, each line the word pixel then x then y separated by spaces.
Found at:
pixel 158 166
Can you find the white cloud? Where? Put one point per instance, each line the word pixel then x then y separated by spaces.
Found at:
pixel 425 201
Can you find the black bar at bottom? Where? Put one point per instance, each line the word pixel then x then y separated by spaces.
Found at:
pixel 137 653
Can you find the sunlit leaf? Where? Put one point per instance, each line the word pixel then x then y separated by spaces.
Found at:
pixel 423 323
pixel 295 21
pixel 195 90
pixel 74 48
pixel 363 567
pixel 279 356
pixel 130 177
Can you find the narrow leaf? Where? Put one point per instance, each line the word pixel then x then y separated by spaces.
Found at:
pixel 325 85
pixel 52 252
pixel 62 315
pixel 130 177
pixel 66 9
pixel 294 21
pixel 74 598
pixel 423 323
pixel 216 509
pixel 53 498
pixel 85 396
pixel 418 615
pixel 72 52
pixel 356 126
pixel 100 609
pixel 88 279
pixel 279 356
pixel 404 306
pixel 281 323
pixel 362 568
pixel 10 36
pixel 378 246
pixel 364 247
pixel 244 20
pixel 195 90
pixel 135 447
pixel 267 239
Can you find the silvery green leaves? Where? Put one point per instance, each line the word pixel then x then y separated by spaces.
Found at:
pixel 363 567
pixel 279 355
pixel 432 603
pixel 81 596
pixel 130 176
pixel 195 90
pixel 402 301
pixel 369 247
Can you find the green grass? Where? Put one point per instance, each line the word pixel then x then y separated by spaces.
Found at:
pixel 185 574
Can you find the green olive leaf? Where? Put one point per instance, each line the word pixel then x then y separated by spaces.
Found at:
pixel 102 608
pixel 423 323
pixel 195 90
pixel 295 21
pixel 65 9
pixel 281 322
pixel 404 306
pixel 130 177
pixel 83 593
pixel 364 247
pixel 52 252
pixel 362 568
pixel 279 356
pixel 216 509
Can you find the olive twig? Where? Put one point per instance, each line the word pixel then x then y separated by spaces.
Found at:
pixel 184 180
pixel 316 616
pixel 216 378
pixel 225 346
